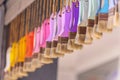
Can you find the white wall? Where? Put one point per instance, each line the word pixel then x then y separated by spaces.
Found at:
pixel 107 71
pixel 100 52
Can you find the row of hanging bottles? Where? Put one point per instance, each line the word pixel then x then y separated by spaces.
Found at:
pixel 50 29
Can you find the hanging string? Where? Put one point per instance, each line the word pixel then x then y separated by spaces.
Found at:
pixel 64 3
pixel 15 30
pixel 44 10
pixel 10 34
pixel 41 11
pixel 18 27
pixel 22 23
pixel 68 2
pixel 12 31
pixel 61 4
pixel 34 10
pixel 48 6
pixel 32 17
pixel 57 5
pixel 50 10
pixel 27 19
pixel 53 8
pixel 14 26
pixel 37 12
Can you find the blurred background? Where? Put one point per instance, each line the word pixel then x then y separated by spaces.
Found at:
pixel 99 61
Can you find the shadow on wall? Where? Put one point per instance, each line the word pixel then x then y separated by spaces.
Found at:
pixel 108 71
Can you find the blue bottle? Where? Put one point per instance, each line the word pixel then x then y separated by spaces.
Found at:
pixel 103 16
pixel 105 6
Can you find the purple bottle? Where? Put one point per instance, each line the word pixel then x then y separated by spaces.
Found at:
pixel 74 20
pixel 67 22
pixel 51 28
pixel 59 25
pixel 58 29
pixel 67 19
pixel 73 29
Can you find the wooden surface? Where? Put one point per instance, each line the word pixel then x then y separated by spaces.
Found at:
pixel 14 8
